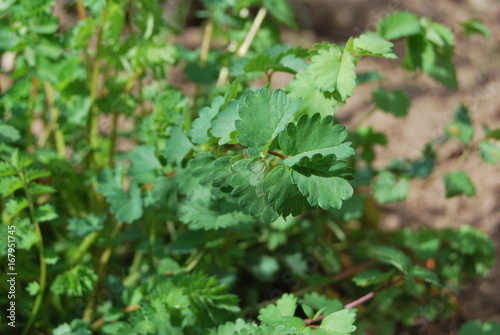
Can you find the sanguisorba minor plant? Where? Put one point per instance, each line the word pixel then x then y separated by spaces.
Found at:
pixel 129 207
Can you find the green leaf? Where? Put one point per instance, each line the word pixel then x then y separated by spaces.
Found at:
pixel 6 169
pixel 248 188
pixel 201 125
pixel 84 226
pixel 490 152
pixel 312 136
pixel 285 306
pixel 224 125
pixel 14 206
pixel 74 282
pixel 46 212
pixel 367 139
pixel 115 21
pixel 178 146
pixel 263 116
pixel 34 174
pixel 9 185
pixel 144 159
pixel 392 256
pixel 317 301
pixel 33 288
pixel 458 182
pixel 281 11
pixel 127 206
pixel 333 71
pixel 9 134
pixel 461 128
pixel 477 328
pixel 323 181
pixel 280 57
pixel 368 77
pixel 35 189
pixel 283 194
pixel 371 277
pixel 388 189
pixel 461 131
pixel 82 33
pixel 372 45
pixel 398 24
pixel 425 274
pixel 218 215
pixel 338 323
pixel 395 102
pixel 313 99
pixel 475 26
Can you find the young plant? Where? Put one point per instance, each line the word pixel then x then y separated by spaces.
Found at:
pixel 138 208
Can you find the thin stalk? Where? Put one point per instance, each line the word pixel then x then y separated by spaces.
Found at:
pixel 83 248
pixel 114 123
pixel 31 111
pixel 257 22
pixel 365 117
pixel 460 160
pixel 92 126
pixel 243 49
pixel 112 139
pixel 372 294
pixel 88 314
pixel 101 321
pixel 54 116
pixel 43 265
pixel 80 7
pixel 206 41
pixel 194 260
pixel 277 154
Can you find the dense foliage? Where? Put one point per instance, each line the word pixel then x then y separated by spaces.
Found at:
pixel 136 208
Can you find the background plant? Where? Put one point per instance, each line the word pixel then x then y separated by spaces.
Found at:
pixel 227 198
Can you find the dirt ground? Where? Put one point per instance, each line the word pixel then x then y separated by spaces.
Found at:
pixel 478 69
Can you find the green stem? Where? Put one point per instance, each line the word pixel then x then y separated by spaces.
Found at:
pixel 93 122
pixel 31 111
pixel 43 265
pixel 88 314
pixel 365 117
pixel 83 248
pixel 194 260
pixel 112 140
pixel 54 116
